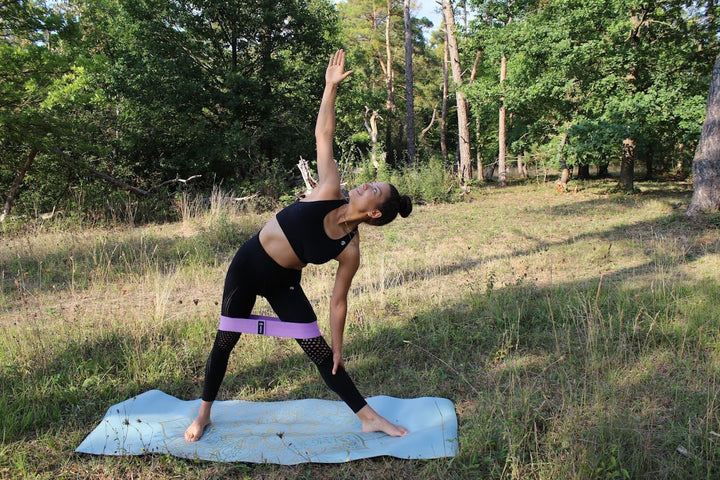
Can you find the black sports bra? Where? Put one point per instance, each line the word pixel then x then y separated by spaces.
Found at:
pixel 302 224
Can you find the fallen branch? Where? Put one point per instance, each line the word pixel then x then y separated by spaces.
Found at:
pixel 175 180
pixel 120 183
pixel 207 201
pixel 104 176
pixel 310 182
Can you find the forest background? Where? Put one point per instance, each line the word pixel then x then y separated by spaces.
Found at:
pixel 109 107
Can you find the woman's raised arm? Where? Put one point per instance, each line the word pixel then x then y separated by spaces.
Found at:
pixel 328 174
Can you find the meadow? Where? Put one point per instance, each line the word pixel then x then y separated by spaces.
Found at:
pixel 577 333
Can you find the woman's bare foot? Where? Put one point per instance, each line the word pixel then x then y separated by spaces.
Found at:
pixel 196 429
pixel 373 422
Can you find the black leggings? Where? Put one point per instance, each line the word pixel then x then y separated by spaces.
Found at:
pixel 251 273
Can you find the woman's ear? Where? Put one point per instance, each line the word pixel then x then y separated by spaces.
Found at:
pixel 374 213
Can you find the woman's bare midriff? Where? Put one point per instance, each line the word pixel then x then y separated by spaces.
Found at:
pixel 276 244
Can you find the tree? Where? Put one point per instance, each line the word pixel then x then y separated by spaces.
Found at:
pixel 618 79
pixel 212 87
pixel 464 170
pixel 13 191
pixel 706 164
pixel 502 144
pixel 491 34
pixel 372 44
pixel 409 92
pixel 445 93
pixel 37 74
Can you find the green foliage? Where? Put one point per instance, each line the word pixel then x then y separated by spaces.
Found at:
pixel 601 71
pixel 427 182
pixel 194 100
pixel 363 34
pixel 38 46
pixel 153 90
pixel 431 183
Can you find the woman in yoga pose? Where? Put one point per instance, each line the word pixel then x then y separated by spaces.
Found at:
pixel 321 227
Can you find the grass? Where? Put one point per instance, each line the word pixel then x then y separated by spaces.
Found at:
pixel 577 334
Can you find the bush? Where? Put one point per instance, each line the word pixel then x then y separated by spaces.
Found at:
pixel 431 182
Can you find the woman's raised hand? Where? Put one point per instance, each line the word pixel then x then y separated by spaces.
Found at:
pixel 335 72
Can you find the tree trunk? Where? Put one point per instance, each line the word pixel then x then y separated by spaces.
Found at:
pixel 464 170
pixel 706 163
pixel 490 171
pixel 478 146
pixel 602 168
pixel 390 87
pixel 650 163
pixel 502 145
pixel 443 115
pixel 409 93
pixel 370 120
pixel 627 165
pixel 564 170
pixel 427 129
pixel 389 75
pixel 12 193
pixel 583 172
pixel 478 150
pixel 522 168
pixel 680 164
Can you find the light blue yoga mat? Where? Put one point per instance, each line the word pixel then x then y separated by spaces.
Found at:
pixel 287 433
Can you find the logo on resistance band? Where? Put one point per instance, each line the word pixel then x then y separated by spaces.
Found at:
pixel 261 327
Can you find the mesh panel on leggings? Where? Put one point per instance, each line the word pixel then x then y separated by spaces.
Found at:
pixel 217 362
pixel 225 341
pixel 316 348
pixel 321 354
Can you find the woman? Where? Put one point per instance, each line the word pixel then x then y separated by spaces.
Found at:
pixel 321 227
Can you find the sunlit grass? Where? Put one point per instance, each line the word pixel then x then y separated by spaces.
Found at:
pixel 577 334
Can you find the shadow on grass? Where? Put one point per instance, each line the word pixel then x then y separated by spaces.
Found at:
pixel 74 384
pixel 66 268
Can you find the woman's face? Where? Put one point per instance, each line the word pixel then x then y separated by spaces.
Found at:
pixel 370 195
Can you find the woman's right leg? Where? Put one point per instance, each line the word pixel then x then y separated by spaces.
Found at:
pixel 215 369
pixel 238 301
pixel 217 363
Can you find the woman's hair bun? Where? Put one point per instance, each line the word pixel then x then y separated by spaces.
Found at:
pixel 405 206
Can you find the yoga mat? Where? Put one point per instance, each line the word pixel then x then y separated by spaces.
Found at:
pixel 286 433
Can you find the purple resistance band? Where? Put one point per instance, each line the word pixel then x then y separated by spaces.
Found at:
pixel 270 326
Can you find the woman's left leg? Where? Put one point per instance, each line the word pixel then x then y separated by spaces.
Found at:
pixel 291 305
pixel 321 354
